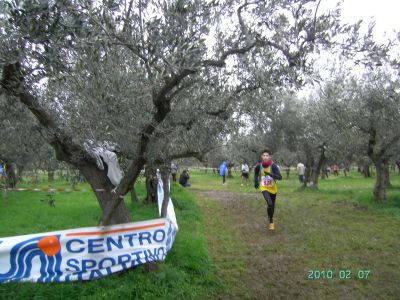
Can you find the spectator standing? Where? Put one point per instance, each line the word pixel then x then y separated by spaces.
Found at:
pixel 245 173
pixel 222 171
pixel 174 170
pixel 300 172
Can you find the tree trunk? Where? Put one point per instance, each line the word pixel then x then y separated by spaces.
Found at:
pixel 318 167
pixel 387 174
pixel 398 165
pixel 381 180
pixel 112 205
pixel 323 175
pixel 66 149
pixel 134 197
pixel 50 175
pixel 309 167
pixel 20 171
pixel 151 185
pixel 11 177
pixel 164 207
pixel 346 168
pixel 230 173
pixel 366 171
pixel 307 173
pixel 67 175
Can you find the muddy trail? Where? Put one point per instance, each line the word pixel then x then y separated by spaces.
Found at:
pixel 246 254
pixel 312 233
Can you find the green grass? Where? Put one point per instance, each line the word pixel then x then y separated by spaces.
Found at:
pixel 222 249
pixel 187 272
pixel 354 188
pixel 338 227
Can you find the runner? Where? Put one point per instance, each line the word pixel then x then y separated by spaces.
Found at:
pixel 266 172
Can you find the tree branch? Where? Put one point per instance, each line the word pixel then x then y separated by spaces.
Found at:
pixel 127 16
pixel 13 84
pixel 221 62
pixel 161 95
pixel 163 107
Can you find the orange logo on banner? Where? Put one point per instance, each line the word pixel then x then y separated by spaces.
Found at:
pixel 49 245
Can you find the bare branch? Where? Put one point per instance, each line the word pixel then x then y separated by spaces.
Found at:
pixel 127 16
pixel 221 62
pixel 171 83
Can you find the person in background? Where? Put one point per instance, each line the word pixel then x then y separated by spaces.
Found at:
pixel 183 179
pixel 346 168
pixel 300 171
pixel 245 173
pixel 265 174
pixel 325 172
pixel 174 170
pixel 335 170
pixel 222 171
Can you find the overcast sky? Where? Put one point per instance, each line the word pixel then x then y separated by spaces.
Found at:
pixel 385 13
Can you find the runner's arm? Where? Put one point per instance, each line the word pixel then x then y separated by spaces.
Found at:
pixel 256 171
pixel 276 174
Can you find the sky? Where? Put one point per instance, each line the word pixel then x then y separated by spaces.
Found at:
pixel 385 13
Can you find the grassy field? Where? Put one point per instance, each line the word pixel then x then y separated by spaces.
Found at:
pixel 223 250
pixel 321 236
pixel 186 274
pixel 354 188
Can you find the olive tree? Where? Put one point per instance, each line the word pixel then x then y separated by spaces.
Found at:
pixel 368 108
pixel 118 70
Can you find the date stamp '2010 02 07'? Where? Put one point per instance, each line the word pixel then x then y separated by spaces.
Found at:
pixel 361 274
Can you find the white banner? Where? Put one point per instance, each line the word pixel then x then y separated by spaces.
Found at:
pixel 85 253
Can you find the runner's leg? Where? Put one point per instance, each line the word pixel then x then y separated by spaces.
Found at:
pixel 270 198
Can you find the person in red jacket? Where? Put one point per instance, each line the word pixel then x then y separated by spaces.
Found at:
pixel 265 175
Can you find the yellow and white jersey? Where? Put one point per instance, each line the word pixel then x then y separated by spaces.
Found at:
pixel 267 183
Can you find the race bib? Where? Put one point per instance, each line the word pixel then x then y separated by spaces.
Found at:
pixel 267 181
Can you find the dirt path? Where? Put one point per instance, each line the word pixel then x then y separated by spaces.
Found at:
pixel 246 255
pixel 312 233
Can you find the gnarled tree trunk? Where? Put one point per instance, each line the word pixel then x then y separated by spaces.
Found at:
pixel 366 171
pixel 11 176
pixel 381 180
pixel 381 163
pixel 50 175
pixel 229 166
pixel 134 197
pixel 318 167
pixel 112 205
pixel 107 200
pixel 20 172
pixel 398 165
pixel 309 166
pixel 165 180
pixel 151 185
pixel 387 174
